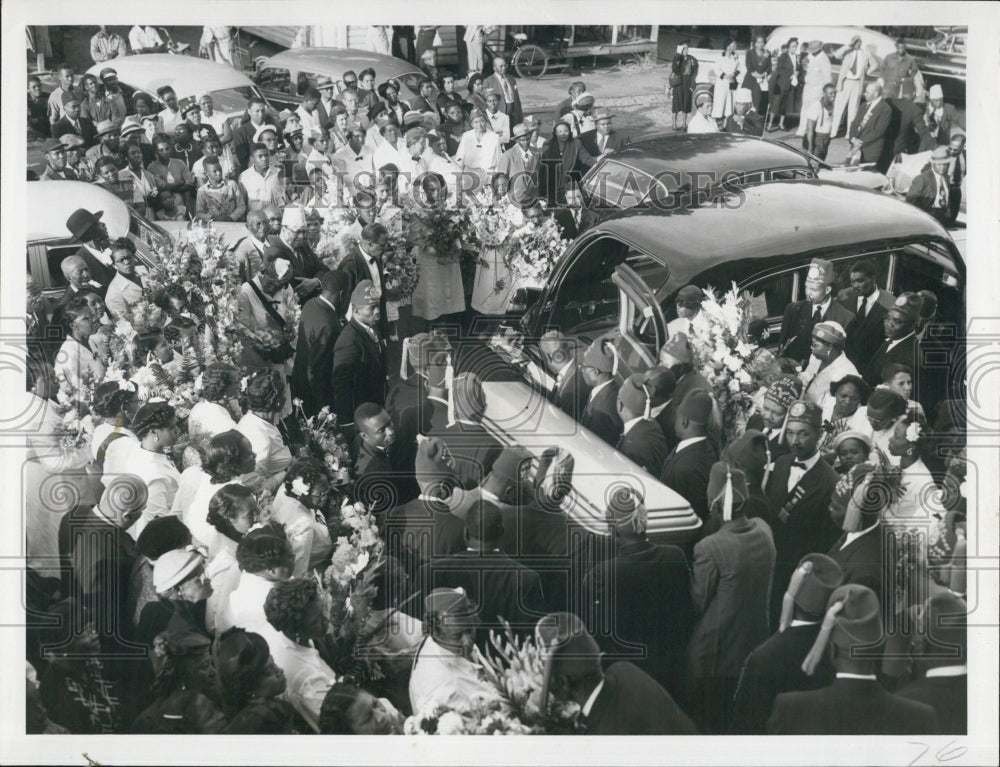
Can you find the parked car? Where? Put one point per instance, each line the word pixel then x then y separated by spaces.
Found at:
pixel 283 78
pixel 679 169
pixel 942 60
pixel 230 89
pixel 833 38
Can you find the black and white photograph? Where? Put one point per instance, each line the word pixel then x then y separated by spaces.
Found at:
pixel 500 379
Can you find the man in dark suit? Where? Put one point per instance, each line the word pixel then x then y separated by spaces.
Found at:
pixel 289 245
pixel 87 229
pixel 502 588
pixel 900 343
pixel 410 388
pixel 429 416
pixel 931 189
pixel 869 131
pixel 678 357
pixel 799 492
pixel 573 217
pixel 506 86
pixel 623 700
pixel 601 413
pixel 642 439
pixel 570 391
pixel 603 138
pixel 364 262
pixel 359 358
pixel 775 666
pixel 73 122
pixel 869 304
pixel 473 449
pixel 745 118
pixel 908 128
pixel 243 136
pixel 802 316
pixel 855 704
pixel 377 483
pixel 319 327
pixel 686 468
pixel 941 656
pixel 858 551
pixel 651 633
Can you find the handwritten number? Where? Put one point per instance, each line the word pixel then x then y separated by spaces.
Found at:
pixel 921 754
pixel 946 755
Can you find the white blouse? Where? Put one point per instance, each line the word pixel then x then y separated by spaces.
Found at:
pixel 306 530
pixel 440 677
pixel 156 470
pixel 208 419
pixel 74 362
pixel 224 574
pixel 273 455
pixel 479 152
pixel 308 676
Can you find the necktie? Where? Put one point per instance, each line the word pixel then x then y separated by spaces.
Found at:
pixel 359 158
pixel 603 142
pixel 863 308
pixel 854 64
pixel 506 90
pixel 817 314
pixel 798 465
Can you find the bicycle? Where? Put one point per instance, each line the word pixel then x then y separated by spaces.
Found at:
pixel 529 60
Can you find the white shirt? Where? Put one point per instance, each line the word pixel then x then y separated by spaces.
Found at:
pixel 101 433
pixel 74 362
pixel 245 607
pixel 195 515
pixel 852 537
pixel 701 124
pixel 169 120
pixel 306 531
pixel 824 119
pixel 947 671
pixel 797 622
pixel 207 419
pixel 308 676
pixel 845 675
pixel 142 183
pixel 818 380
pixel 478 152
pixel 309 120
pixel 593 697
pixel 897 342
pixel 159 474
pixel 140 37
pixel 688 442
pixel 597 390
pixel 262 190
pixel 440 677
pixel 223 572
pixel 795 473
pixel 273 456
pixel 346 161
pixel 501 125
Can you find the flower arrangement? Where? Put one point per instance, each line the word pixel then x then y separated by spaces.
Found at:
pixel 324 441
pixel 492 220
pixel 535 250
pixel 337 233
pixel 358 547
pixel 439 230
pixel 439 720
pixel 401 269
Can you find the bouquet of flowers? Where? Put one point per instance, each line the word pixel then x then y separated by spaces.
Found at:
pixel 724 355
pixel 206 242
pixel 492 220
pixel 336 234
pixel 438 720
pixel 324 441
pixel 401 269
pixel 360 546
pixel 76 424
pixel 440 231
pixel 535 250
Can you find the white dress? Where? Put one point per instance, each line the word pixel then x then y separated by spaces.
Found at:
pixel 76 364
pixel 223 573
pixel 439 286
pixel 701 124
pixel 157 471
pixel 209 419
pixel 307 675
pixel 440 677
pixel 306 530
pixel 272 454
pixel 479 154
pixel 722 98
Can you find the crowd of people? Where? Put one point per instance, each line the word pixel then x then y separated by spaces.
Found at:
pixel 271 530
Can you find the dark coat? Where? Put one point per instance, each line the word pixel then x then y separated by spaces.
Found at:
pixel 568 226
pixel 557 166
pixel 948 696
pixel 99 271
pixel 949 117
pixel 668 416
pixel 359 371
pixel 645 445
pixel 473 449
pixel 571 394
pixel 905 352
pixel 243 140
pixel 861 561
pixel 797 326
pixel 772 668
pixel 908 128
pixel 683 72
pixel 421 530
pixel 753 124
pixel 850 707
pixel 800 520
pixel 589 141
pixel 601 414
pixel 866 335
pixel 312 371
pixel 514 111
pixel 542 540
pixel 88 131
pixel 405 393
pixel 642 598
pixel 356 269
pixel 923 194
pixel 782 94
pixel 378 481
pixel 687 472
pixel 632 703
pixel 305 264
pixel 876 144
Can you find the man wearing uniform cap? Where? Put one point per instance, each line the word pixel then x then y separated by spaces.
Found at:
pixel 799 491
pixel 642 439
pixel 856 703
pixel 570 391
pixel 780 395
pixel 290 245
pixel 72 122
pixel 749 453
pixel 931 189
pixel 827 364
pixel 359 356
pixel 598 367
pixel 55 162
pixel 900 345
pixel 603 138
pixel 818 306
pixel 690 320
pixel 731 582
pixel 940 117
pixel 775 666
pixel 677 357
pixel 744 118
pixel 686 469
pixel 622 700
pixel 520 164
pixel 616 592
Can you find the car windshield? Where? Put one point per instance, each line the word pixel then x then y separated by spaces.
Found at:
pixel 232 99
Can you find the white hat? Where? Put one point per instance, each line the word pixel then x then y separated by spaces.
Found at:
pixel 174 567
pixel 293 217
pixel 262 130
pixel 743 96
pixel 935 92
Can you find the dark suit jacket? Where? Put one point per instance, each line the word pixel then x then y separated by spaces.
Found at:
pixel 405 393
pixel 88 131
pixel 923 194
pixel 797 326
pixel 99 271
pixel 772 668
pixel 645 445
pixel 243 140
pixel 312 371
pixel 378 482
pixel 617 597
pixel 567 224
pixel 861 561
pixel 949 117
pixel 601 414
pixel 571 394
pixel 866 334
pixel 800 520
pixel 850 707
pixel 687 382
pixel 908 128
pixel 948 696
pixel 753 124
pixel 541 539
pixel 356 269
pixel 420 530
pixel 905 352
pixel 305 263
pixel 589 141
pixel 876 143
pixel 473 449
pixel 556 168
pixel 514 111
pixel 632 703
pixel 687 471
pixel 359 371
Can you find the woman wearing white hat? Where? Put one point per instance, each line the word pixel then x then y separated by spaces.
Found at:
pixel 701 121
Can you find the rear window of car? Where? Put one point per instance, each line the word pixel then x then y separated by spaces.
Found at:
pixel 232 99
pixel 274 79
pixel 617 186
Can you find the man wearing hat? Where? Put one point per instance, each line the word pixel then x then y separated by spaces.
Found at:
pixel 359 356
pixel 326 104
pixel 775 666
pixel 507 87
pixel 856 703
pixel 690 320
pixel 580 117
pixel 622 700
pixel 603 138
pixel 744 118
pixel 642 439
pixel 730 587
pixel 749 453
pixel 116 105
pixel 354 161
pixel 818 73
pixel 856 64
pixel 778 398
pixel 940 118
pixel 818 306
pixel 566 105
pixel 827 362
pixel 616 594
pixel 941 656
pixel 601 413
pixel 55 162
pixel 868 133
pixel 686 469
pixel 900 343
pixel 87 229
pixel 319 327
pixel 930 191
pixel 799 491
pixel 72 121
pixel 520 164
pixel 107 135
pixel 702 121
pixel 677 357
pixel 570 390
pixel 474 449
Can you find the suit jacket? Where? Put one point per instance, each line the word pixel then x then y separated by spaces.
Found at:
pixel 908 128
pixel 861 561
pixel 800 520
pixel 356 269
pixel 850 707
pixel 797 326
pixel 949 118
pixel 571 394
pixel 753 124
pixel 589 141
pixel 542 539
pixel 419 531
pixel 473 449
pixel 523 174
pixel 617 598
pixel 405 393
pixel 645 445
pixel 632 703
pixel 876 144
pixel 781 77
pixel 305 263
pixel 601 414
pixel 732 578
pixel 686 471
pixel 312 370
pixel 923 194
pixel 88 131
pixel 905 352
pixel 243 140
pixel 687 382
pixel 567 224
pixel 556 168
pixel 99 271
pixel 513 110
pixel 378 481
pixel 866 334
pixel 772 668
pixel 359 371
pixel 948 696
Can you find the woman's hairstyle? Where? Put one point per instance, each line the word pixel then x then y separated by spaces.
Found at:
pixel 286 604
pixel 265 548
pixel 154 415
pixel 333 718
pixel 75 309
pixel 225 507
pixel 161 138
pixel 309 470
pixel 161 535
pixel 144 344
pixel 111 400
pixel 123 243
pixel 265 391
pixel 241 659
pixel 431 181
pixel 893 369
pixel 222 456
pixel 217 379
pixel 173 653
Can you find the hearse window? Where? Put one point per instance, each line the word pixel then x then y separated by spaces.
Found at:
pixel 620 186
pixel 842 268
pixel 54 256
pixel 770 295
pixel 914 272
pixel 587 297
pixel 790 174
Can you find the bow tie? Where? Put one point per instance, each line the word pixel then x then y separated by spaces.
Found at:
pixel 798 465
pixel 359 157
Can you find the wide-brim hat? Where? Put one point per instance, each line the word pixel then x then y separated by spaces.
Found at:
pixel 412 119
pixel 129 126
pixel 104 127
pixel 174 567
pixel 520 130
pixel 602 114
pixel 71 141
pixel 323 82
pixel 815 46
pixel 52 145
pixel 584 99
pixel 940 154
pixel 262 130
pixel 80 222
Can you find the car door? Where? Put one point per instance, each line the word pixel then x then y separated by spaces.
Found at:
pixel 642 330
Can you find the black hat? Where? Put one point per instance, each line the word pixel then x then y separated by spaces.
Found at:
pixel 80 222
